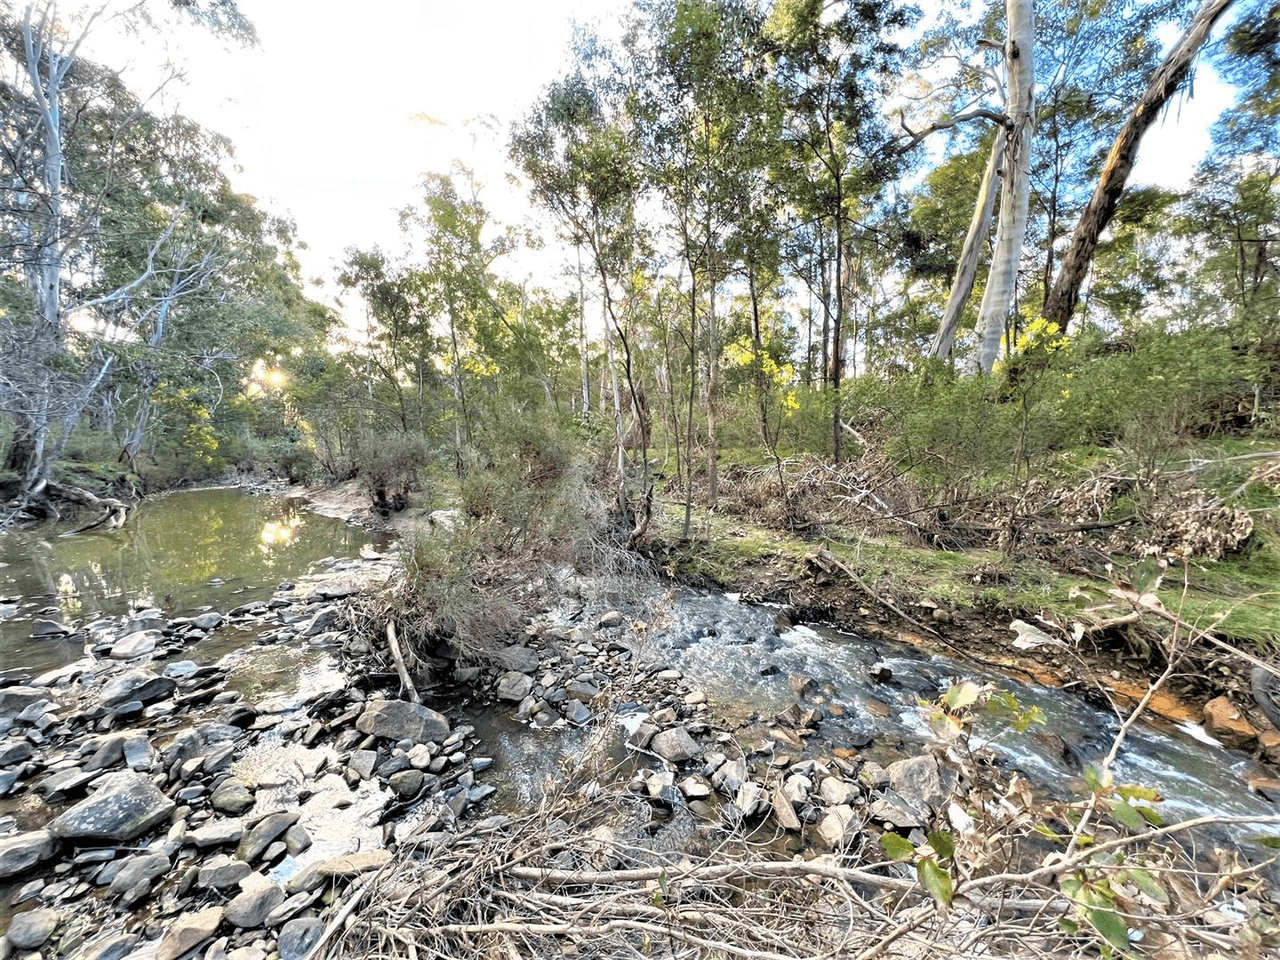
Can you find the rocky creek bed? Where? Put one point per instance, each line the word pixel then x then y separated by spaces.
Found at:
pixel 154 806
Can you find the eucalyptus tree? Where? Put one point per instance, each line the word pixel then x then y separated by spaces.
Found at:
pixel 577 151
pixel 833 68
pixel 64 146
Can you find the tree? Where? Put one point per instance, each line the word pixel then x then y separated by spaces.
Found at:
pixel 64 148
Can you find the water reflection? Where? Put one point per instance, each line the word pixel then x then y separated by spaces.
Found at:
pixel 180 552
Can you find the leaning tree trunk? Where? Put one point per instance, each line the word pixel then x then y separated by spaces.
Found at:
pixel 1015 197
pixel 967 269
pixel 1124 152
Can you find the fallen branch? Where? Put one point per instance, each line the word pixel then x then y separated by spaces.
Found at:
pixel 398 656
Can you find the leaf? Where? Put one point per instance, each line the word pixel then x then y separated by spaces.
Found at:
pixel 897 847
pixel 962 695
pixel 1045 831
pixel 943 844
pixel 1144 881
pixel 1127 815
pixel 1151 815
pixel 1131 792
pixel 1114 930
pixel 1271 842
pixel 936 880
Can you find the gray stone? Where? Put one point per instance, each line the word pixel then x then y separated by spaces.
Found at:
pixel 731 775
pixel 31 929
pixel 232 796
pixel 116 947
pixel 258 897
pixel 918 781
pixel 402 720
pixel 796 789
pixel 611 619
pixel 581 690
pixel 577 712
pixel 15 699
pixel 297 937
pixel 750 799
pixel 898 812
pixel 138 753
pixel 695 788
pixel 66 782
pixel 407 783
pixel 109 753
pixel 363 762
pixel 221 872
pixel 675 745
pixel 136 645
pixel 137 684
pixel 14 751
pixel 217 833
pixel 514 686
pixel 297 839
pixel 145 620
pixel 263 833
pixel 143 868
pixel 49 628
pixel 783 811
pixel 519 658
pixel 181 669
pixel 324 619
pixel 210 620
pixel 836 791
pixel 125 805
pixel 837 828
pixel 188 931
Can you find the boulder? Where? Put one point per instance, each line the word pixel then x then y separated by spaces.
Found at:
pixel 1225 723
pixel 514 686
pixel 402 720
pixel 188 931
pixel 125 805
pixel 675 745
pixel 138 684
pixel 21 852
pixel 31 929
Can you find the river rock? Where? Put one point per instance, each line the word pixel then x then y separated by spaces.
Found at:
pixel 783 811
pixel 221 872
pixel 751 799
pixel 15 699
pixel 210 620
pixel 675 745
pixel 519 658
pixel 324 620
pixel 297 937
pixel 189 931
pixel 125 805
pixel 232 796
pixel 402 720
pixel 149 619
pixel 137 684
pixel 20 853
pixel 217 833
pixel 835 791
pixel 134 645
pixel 514 686
pixel 837 828
pixel 1225 723
pixel 14 751
pixel 918 780
pixel 138 753
pixel 49 628
pixel 258 897
pixel 31 929
pixel 577 712
pixel 261 835
pixel 137 870
pixel 729 776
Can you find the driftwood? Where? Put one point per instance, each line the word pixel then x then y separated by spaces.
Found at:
pixel 114 513
pixel 398 656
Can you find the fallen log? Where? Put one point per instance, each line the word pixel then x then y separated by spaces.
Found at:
pixel 114 513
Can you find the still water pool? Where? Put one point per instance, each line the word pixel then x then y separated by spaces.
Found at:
pixel 181 552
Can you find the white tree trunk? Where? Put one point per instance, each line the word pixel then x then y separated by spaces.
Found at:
pixel 967 269
pixel 1015 197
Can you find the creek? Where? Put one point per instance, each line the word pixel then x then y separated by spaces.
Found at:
pixel 221 548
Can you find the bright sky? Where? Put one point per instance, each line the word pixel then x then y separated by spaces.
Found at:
pixel 343 107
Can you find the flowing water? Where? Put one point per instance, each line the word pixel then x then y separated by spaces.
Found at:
pixel 182 552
